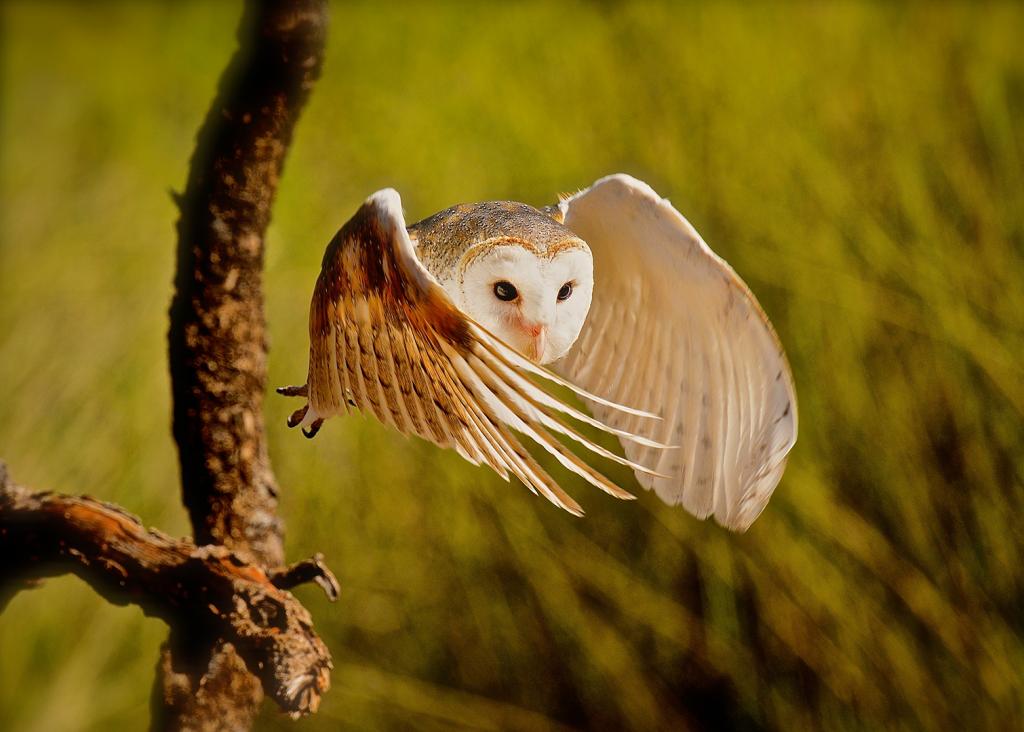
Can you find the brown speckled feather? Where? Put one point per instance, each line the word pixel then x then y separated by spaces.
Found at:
pixel 443 239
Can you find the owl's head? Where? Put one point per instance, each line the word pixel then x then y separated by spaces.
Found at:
pixel 515 270
pixel 534 297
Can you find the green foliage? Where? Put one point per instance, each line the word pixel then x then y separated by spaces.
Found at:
pixel 859 165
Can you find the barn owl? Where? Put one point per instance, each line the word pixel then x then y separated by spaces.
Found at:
pixel 456 328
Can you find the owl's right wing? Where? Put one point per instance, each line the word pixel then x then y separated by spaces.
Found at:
pixel 387 339
pixel 673 329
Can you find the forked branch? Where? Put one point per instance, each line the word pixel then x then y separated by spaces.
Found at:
pixel 203 592
pixel 236 632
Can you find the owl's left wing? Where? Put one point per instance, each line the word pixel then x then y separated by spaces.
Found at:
pixel 387 339
pixel 673 329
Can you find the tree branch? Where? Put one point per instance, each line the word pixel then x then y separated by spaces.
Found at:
pixel 203 592
pixel 227 603
pixel 217 336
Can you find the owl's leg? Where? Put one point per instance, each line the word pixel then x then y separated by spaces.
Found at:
pixel 314 427
pixel 302 416
pixel 298 415
pixel 307 420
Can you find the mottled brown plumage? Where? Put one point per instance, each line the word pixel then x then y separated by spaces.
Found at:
pixel 444 238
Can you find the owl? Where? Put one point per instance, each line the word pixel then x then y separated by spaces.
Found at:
pixel 460 328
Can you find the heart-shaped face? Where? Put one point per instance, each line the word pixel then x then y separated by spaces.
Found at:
pixel 536 300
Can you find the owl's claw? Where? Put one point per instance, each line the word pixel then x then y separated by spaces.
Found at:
pixel 308 570
pixel 313 428
pixel 293 391
pixel 298 415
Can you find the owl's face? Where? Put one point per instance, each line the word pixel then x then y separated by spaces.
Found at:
pixel 535 301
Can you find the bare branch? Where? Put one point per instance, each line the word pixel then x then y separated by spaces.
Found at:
pixel 217 337
pixel 235 630
pixel 203 592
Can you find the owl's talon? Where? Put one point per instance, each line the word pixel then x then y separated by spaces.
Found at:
pixel 298 415
pixel 293 390
pixel 313 428
pixel 308 570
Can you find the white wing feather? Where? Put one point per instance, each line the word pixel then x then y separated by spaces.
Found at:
pixel 674 330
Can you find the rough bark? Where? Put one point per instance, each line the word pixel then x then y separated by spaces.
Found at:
pixel 203 592
pixel 217 337
pixel 236 633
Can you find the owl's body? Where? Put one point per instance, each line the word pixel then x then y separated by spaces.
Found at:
pixel 437 328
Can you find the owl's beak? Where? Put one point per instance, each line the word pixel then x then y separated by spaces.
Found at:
pixel 537 340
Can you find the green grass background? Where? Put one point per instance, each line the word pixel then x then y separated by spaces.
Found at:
pixel 859 164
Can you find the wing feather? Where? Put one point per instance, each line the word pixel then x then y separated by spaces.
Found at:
pixel 387 378
pixel 422 395
pixel 352 355
pixel 672 329
pixel 402 378
pixel 334 377
pixel 445 405
pixel 524 402
pixel 385 338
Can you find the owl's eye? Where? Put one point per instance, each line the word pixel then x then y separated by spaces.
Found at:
pixel 565 291
pixel 505 291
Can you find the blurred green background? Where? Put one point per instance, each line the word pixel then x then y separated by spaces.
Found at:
pixel 860 165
